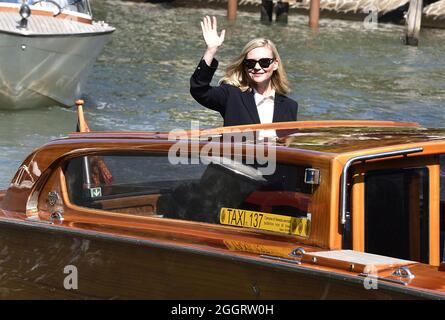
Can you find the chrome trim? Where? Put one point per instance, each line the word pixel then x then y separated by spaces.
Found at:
pixel 280 259
pixel 366 275
pixel 344 177
pixel 32 219
pixel 298 253
pixel 56 216
pixel 403 272
pixel 86 171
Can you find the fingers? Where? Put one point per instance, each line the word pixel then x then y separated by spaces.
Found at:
pixel 208 23
pixel 203 25
pixel 214 23
pixel 209 26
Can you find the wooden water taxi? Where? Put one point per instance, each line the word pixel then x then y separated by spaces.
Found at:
pixel 350 210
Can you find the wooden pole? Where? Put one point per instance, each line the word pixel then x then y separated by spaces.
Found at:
pixel 232 8
pixel 413 22
pixel 266 11
pixel 314 13
pixel 83 126
pixel 282 11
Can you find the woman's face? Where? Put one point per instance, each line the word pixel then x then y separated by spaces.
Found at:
pixel 258 74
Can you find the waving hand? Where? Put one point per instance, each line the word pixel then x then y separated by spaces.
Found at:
pixel 211 37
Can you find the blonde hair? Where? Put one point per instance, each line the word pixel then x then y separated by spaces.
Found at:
pixel 236 74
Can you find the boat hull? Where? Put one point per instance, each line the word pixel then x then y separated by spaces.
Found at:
pixel 44 71
pixel 34 258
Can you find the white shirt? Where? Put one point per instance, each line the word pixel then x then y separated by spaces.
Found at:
pixel 265 106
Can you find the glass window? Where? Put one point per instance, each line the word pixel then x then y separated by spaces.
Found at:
pixel 81 6
pixel 396 213
pixel 150 185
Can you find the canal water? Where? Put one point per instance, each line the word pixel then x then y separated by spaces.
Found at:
pixel 141 81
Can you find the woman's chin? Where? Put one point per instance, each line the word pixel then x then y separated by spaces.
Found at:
pixel 258 82
pixel 258 79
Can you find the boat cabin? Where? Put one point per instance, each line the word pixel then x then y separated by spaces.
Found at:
pixel 331 195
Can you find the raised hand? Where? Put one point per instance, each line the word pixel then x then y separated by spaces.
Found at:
pixel 210 33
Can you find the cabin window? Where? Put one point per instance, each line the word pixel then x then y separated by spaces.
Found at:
pixel 442 208
pixel 149 185
pixel 396 213
pixel 81 6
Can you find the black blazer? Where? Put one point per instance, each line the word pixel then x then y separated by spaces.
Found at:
pixel 235 106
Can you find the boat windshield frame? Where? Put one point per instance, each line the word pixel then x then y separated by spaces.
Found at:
pixel 66 5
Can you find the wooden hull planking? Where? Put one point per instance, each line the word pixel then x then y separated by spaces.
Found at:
pixel 33 259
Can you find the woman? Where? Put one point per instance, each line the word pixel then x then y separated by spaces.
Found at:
pixel 254 87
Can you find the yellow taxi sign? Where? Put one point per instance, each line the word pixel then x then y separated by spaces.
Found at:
pixel 265 221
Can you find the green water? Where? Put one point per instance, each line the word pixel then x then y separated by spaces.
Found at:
pixel 141 81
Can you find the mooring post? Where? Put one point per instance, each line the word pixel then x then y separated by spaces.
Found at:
pixel 266 11
pixel 314 13
pixel 232 7
pixel 413 21
pixel 282 11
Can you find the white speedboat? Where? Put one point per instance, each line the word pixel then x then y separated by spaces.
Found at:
pixel 47 49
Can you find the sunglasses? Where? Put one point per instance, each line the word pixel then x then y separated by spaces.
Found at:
pixel 264 62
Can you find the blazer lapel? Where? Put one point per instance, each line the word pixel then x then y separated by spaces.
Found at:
pixel 278 110
pixel 249 102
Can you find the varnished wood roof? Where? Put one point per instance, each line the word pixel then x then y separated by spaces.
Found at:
pixel 321 136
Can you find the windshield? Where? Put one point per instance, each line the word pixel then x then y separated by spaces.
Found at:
pixel 212 190
pixel 81 6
